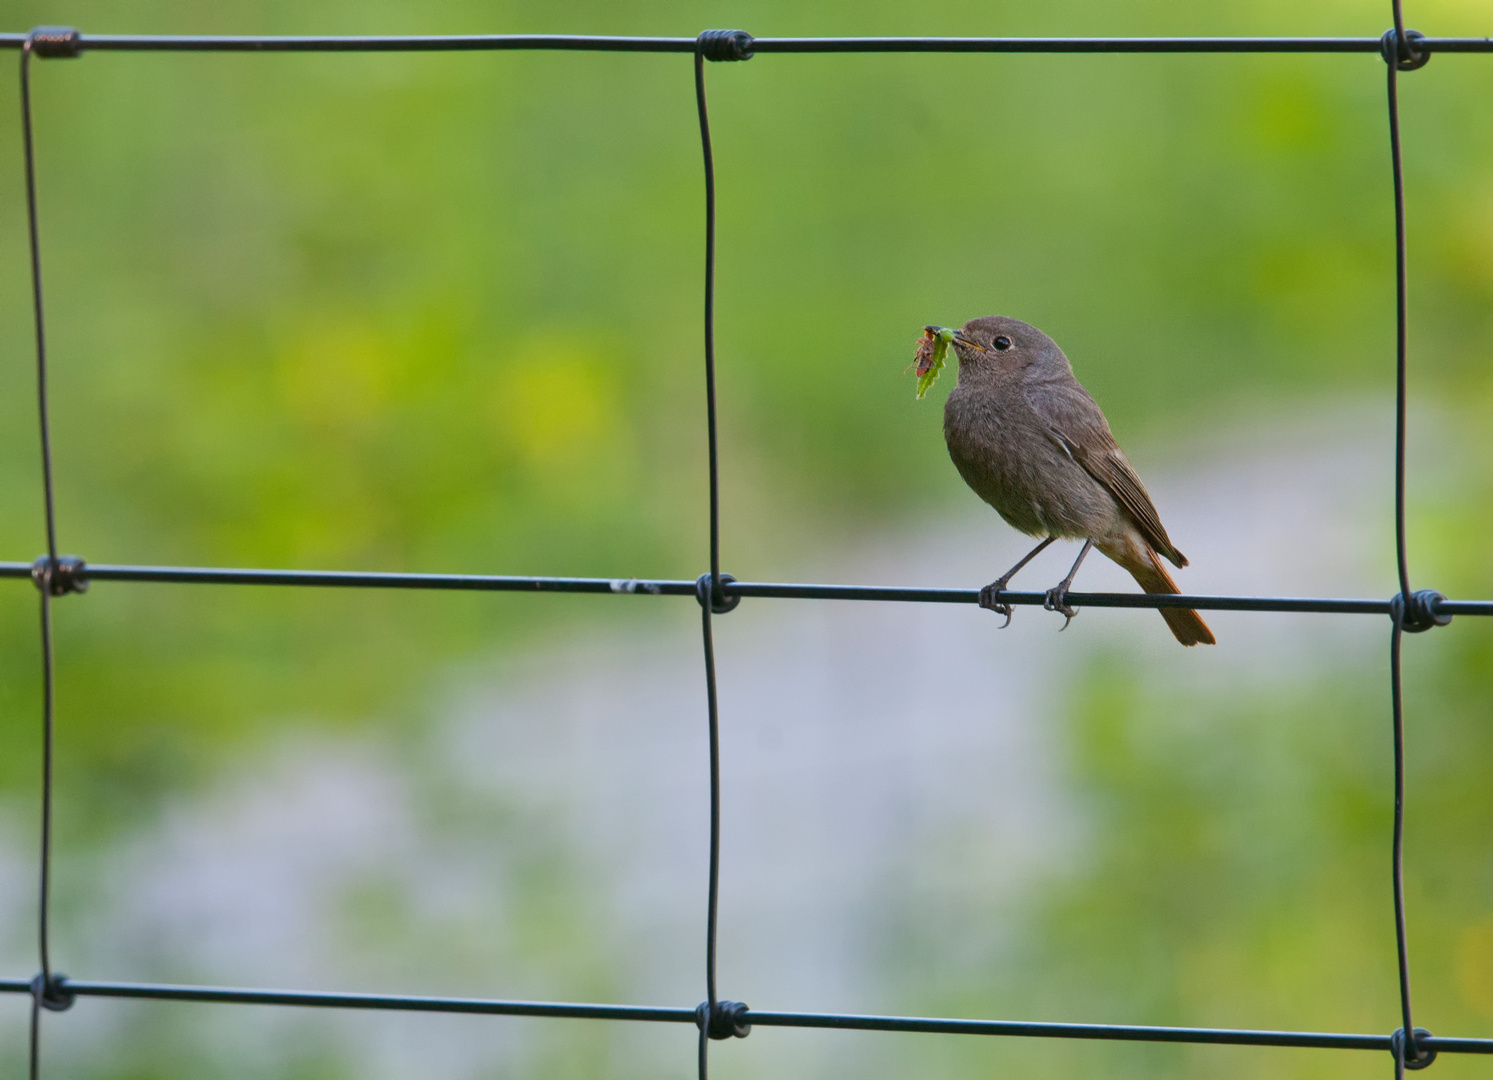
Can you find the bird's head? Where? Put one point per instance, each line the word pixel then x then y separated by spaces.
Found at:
pixel 998 341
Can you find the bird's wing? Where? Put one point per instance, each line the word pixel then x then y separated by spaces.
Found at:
pixel 1074 421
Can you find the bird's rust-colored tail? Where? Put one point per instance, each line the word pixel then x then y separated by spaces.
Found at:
pixel 1187 625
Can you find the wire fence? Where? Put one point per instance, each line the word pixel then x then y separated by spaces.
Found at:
pixel 1409 610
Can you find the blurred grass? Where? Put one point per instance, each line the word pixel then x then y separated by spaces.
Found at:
pixel 441 313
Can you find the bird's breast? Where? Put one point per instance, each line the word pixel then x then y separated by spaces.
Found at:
pixel 1005 454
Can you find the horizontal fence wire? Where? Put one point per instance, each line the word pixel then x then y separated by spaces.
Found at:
pixel 717 593
pixel 762 45
pixel 1308 1040
pixel 731 590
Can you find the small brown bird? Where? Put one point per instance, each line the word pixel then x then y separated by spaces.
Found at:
pixel 1030 441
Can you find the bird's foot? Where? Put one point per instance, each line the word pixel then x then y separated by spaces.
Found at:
pixel 990 600
pixel 1057 600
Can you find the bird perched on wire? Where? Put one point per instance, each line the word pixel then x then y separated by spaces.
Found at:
pixel 1031 442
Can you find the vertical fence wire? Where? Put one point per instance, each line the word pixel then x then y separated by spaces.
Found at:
pixel 710 422
pixel 708 1013
pixel 1404 1046
pixel 1397 857
pixel 42 987
pixel 1392 67
pixel 710 594
pixel 717 1019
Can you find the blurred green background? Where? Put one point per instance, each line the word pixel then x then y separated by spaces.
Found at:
pixel 441 313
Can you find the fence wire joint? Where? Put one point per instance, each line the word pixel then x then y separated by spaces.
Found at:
pixel 1418 1056
pixel 69 575
pixel 719 602
pixel 1404 54
pixel 724 45
pixel 53 993
pixel 56 42
pixel 1422 612
pixel 728 1020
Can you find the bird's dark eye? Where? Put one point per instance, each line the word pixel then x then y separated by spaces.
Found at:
pixel 1002 343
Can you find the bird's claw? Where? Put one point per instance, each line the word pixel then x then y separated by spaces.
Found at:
pixel 990 601
pixel 1057 600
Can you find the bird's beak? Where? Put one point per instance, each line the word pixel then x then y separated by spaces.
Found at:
pixel 950 334
pixel 959 339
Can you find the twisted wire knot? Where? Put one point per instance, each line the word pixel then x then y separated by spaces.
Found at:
pixel 724 45
pixel 53 994
pixel 69 575
pixel 728 1019
pixel 1402 52
pixel 720 604
pixel 56 42
pixel 1420 614
pixel 1415 1056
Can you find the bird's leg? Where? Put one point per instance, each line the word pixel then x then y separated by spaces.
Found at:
pixel 1057 598
pixel 990 594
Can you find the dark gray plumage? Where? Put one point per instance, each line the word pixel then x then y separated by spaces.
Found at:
pixel 1031 442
